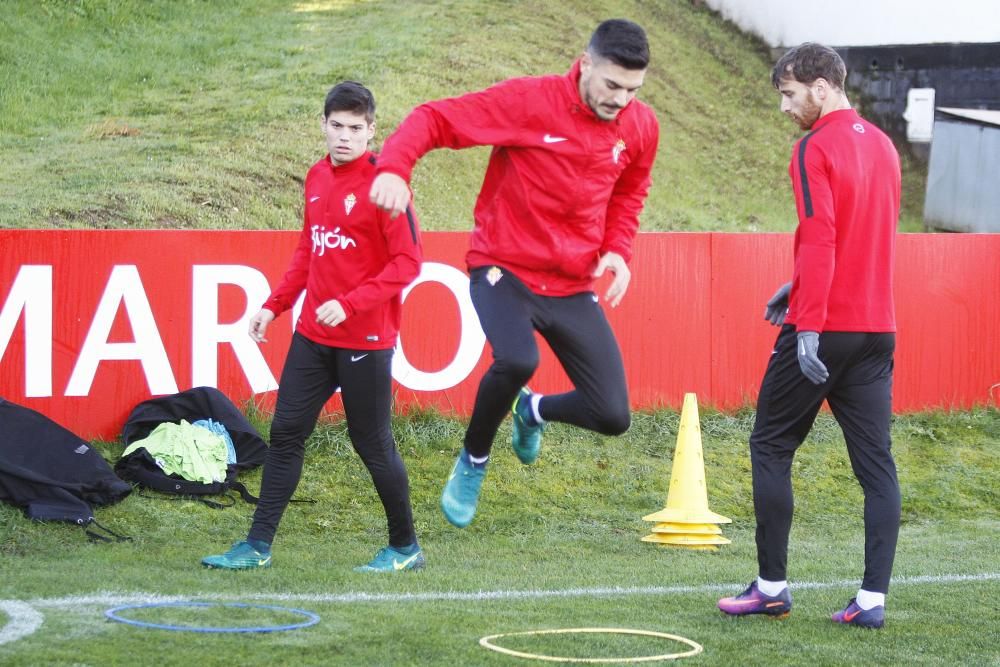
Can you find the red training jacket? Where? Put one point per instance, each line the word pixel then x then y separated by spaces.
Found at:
pixel 351 251
pixel 846 178
pixel 562 187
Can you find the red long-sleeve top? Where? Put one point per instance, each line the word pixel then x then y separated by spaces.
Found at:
pixel 562 187
pixel 351 251
pixel 846 178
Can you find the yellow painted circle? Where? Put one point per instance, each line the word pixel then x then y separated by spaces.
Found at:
pixel 696 648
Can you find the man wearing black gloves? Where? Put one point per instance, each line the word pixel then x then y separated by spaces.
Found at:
pixel 838 334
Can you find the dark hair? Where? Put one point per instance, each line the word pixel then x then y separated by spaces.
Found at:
pixel 622 42
pixel 810 61
pixel 350 96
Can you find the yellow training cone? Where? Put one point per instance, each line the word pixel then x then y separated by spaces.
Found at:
pixel 702 541
pixel 687 497
pixel 687 528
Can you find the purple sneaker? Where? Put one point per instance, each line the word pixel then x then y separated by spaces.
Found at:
pixel 852 614
pixel 752 601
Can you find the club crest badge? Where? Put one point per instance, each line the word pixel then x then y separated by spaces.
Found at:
pixel 349 202
pixel 494 275
pixel 617 151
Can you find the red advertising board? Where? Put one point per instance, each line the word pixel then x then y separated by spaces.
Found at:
pixel 92 322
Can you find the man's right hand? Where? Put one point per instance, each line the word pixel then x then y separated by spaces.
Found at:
pixel 777 306
pixel 809 362
pixel 258 324
pixel 390 192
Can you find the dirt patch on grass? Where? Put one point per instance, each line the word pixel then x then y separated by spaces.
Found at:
pixel 111 128
pixel 112 215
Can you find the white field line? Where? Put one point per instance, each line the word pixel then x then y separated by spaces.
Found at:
pixel 25 619
pixel 111 598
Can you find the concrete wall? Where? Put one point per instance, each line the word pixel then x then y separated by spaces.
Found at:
pixel 864 22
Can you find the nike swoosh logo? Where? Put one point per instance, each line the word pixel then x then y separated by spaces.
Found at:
pixel 750 601
pixel 549 139
pixel 396 565
pixel 312 199
pixel 359 357
pixel 850 617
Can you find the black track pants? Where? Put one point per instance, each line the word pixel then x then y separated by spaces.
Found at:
pixel 581 338
pixel 859 391
pixel 311 375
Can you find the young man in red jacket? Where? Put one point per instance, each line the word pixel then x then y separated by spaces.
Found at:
pixel 559 206
pixel 838 337
pixel 352 260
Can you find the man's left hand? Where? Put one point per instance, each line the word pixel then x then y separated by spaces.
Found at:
pixel 615 263
pixel 331 313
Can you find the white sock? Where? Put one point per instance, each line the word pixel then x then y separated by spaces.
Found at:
pixel 535 400
pixel 479 460
pixel 771 588
pixel 867 599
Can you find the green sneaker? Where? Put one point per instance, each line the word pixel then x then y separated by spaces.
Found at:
pixel 526 439
pixel 461 491
pixel 391 560
pixel 241 556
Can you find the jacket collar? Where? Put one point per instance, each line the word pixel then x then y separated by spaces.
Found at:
pixel 365 158
pixel 839 114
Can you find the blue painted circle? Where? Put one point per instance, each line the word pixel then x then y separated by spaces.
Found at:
pixel 310 618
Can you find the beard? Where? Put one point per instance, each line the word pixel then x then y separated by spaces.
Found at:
pixel 809 113
pixel 606 111
pixel 603 111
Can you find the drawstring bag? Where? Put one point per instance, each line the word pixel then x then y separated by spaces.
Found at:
pixel 201 404
pixel 52 473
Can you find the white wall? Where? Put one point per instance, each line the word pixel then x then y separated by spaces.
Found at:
pixel 864 22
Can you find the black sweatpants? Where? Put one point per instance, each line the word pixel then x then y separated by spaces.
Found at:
pixel 859 392
pixel 581 338
pixel 311 375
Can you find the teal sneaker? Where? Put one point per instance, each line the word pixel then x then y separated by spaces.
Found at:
pixel 461 491
pixel 527 436
pixel 392 560
pixel 241 556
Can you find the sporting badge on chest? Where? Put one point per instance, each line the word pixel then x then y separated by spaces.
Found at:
pixel 617 151
pixel 349 202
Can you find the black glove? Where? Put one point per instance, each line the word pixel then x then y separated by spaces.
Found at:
pixel 809 361
pixel 777 307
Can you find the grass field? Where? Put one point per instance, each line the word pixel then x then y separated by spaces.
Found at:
pixel 122 114
pixel 556 545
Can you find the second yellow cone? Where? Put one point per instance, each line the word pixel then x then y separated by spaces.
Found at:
pixel 686 521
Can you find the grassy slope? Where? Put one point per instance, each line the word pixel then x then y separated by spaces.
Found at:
pixel 124 114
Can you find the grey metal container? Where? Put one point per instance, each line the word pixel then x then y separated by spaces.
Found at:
pixel 963 177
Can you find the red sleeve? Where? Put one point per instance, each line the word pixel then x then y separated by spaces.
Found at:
pixel 484 118
pixel 294 281
pixel 402 240
pixel 628 197
pixel 815 258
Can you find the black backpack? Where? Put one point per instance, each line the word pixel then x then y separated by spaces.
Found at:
pixel 52 473
pixel 191 405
